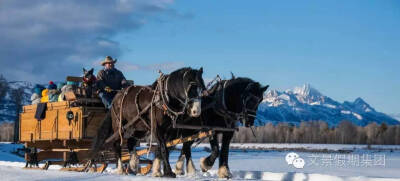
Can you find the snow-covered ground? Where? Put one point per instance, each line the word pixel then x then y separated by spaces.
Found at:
pixel 359 164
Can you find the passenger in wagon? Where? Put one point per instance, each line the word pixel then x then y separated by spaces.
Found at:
pixel 45 96
pixel 70 86
pixel 53 92
pixel 109 81
pixel 37 92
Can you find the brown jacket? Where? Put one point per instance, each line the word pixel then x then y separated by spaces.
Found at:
pixel 112 78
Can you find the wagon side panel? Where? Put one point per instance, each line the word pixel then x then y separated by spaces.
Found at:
pixel 29 129
pixel 69 128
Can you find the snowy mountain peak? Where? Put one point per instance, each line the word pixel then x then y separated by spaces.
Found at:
pixel 306 103
pixel 360 101
pixel 306 91
pixel 360 105
pixel 271 93
pixel 308 94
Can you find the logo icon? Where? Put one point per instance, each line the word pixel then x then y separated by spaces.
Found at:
pixel 294 159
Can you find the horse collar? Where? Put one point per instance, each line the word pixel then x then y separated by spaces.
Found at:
pixel 165 92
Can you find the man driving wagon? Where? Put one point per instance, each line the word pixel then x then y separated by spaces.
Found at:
pixel 109 81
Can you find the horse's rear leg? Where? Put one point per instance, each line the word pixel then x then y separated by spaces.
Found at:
pixel 207 163
pixel 223 171
pixel 117 150
pixel 190 168
pixel 157 165
pixel 180 163
pixel 134 158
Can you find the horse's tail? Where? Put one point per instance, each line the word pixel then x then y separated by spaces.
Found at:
pixel 103 132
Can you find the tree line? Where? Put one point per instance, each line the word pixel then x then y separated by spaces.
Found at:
pixel 16 95
pixel 319 132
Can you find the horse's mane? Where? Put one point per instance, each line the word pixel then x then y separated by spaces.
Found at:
pixel 232 81
pixel 178 71
pixel 240 80
pixel 181 70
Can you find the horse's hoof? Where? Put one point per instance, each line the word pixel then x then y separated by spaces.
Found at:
pixel 156 168
pixel 190 168
pixel 203 165
pixel 223 172
pixel 179 172
pixel 120 172
pixel 179 165
pixel 134 165
pixel 156 174
pixel 130 171
pixel 169 175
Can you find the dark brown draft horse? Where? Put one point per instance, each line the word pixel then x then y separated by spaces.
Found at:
pixel 156 107
pixel 228 102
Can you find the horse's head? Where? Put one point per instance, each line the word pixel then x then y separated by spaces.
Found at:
pixel 251 98
pixel 244 96
pixel 88 76
pixel 189 89
pixel 194 86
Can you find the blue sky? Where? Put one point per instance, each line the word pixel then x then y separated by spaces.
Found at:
pixel 345 49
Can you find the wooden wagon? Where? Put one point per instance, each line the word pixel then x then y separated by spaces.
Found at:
pixel 68 128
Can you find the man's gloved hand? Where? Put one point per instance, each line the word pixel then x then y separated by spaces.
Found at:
pixel 107 89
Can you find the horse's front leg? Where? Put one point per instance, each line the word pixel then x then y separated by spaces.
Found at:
pixel 165 158
pixel 162 155
pixel 207 163
pixel 185 153
pixel 223 171
pixel 190 168
pixel 181 162
pixel 134 158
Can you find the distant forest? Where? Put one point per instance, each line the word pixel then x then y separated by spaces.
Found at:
pixel 319 132
pixel 16 95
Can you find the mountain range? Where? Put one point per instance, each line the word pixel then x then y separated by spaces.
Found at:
pixel 306 103
pixel 7 105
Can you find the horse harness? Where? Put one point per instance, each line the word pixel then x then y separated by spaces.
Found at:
pixel 162 87
pixel 160 99
pixel 222 110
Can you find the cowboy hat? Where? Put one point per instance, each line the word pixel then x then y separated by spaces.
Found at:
pixel 108 59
